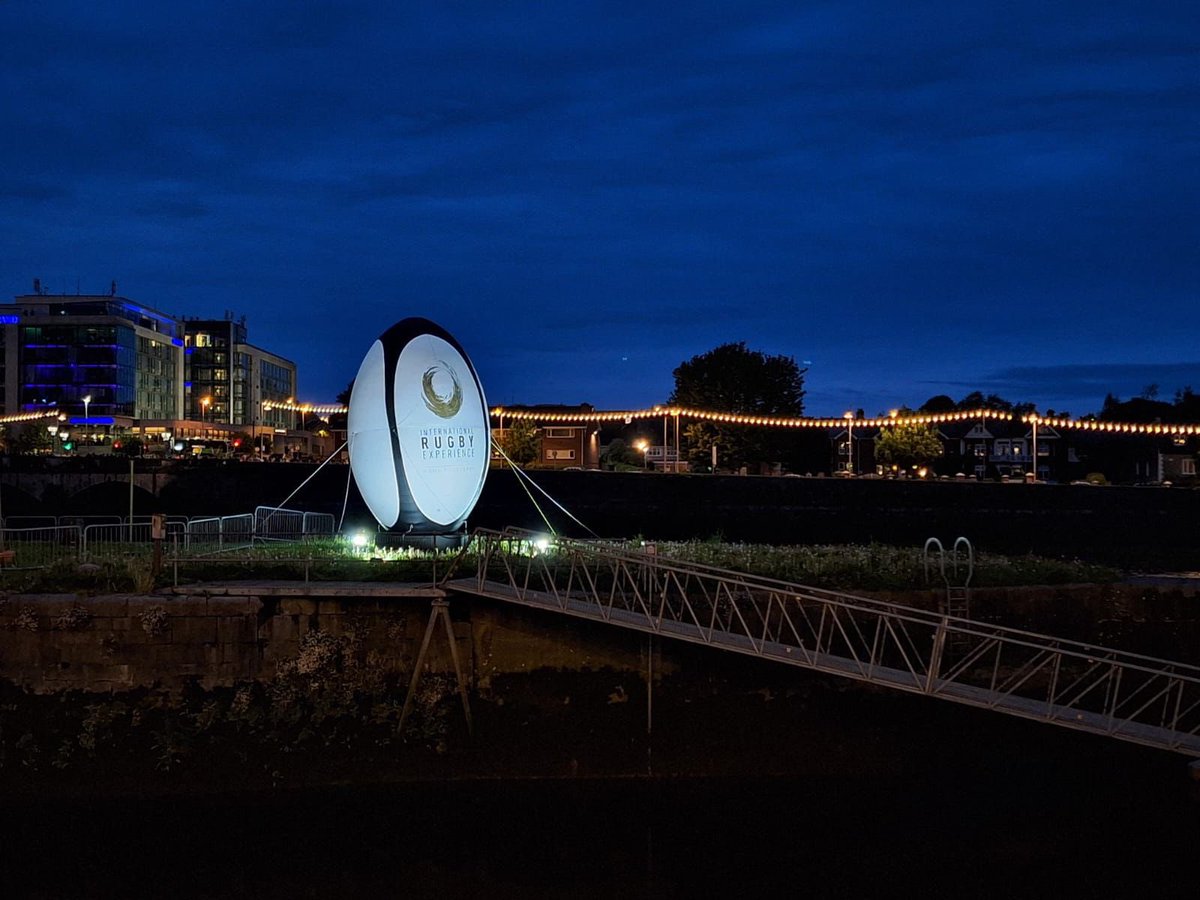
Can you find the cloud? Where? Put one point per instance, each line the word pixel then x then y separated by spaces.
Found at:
pixel 919 192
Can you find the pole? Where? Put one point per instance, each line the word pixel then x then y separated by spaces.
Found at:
pixel 158 530
pixel 678 449
pixel 665 440
pixel 850 446
pixel 131 498
pixel 1035 466
pixel 650 684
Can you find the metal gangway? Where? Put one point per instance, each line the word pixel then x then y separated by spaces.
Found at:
pixel 1104 691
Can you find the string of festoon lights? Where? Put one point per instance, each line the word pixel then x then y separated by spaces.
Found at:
pixel 30 416
pixel 706 415
pixel 684 412
pixel 318 409
pixel 1113 427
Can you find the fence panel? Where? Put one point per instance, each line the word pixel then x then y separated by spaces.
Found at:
pixel 37 547
pixel 202 535
pixel 318 524
pixel 217 534
pixel 272 523
pixel 116 541
pixel 237 531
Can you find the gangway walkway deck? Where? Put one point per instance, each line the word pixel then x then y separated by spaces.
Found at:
pixel 1126 696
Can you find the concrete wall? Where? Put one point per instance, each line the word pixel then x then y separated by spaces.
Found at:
pixel 64 642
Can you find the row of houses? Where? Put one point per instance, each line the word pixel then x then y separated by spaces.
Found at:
pixel 997 449
pixel 991 449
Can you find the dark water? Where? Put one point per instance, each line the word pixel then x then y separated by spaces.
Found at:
pixel 1119 823
pixel 870 795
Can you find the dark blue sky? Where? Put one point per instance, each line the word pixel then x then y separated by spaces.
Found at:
pixel 914 198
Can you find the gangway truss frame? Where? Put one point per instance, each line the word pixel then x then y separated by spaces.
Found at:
pixel 1100 690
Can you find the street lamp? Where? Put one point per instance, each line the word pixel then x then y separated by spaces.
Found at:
pixel 644 446
pixel 87 398
pixel 849 417
pixel 1034 467
pixel 205 402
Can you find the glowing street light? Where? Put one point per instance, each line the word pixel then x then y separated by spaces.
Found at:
pixel 86 398
pixel 644 446
pixel 205 403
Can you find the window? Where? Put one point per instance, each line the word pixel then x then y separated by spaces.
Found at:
pixel 1187 467
pixel 561 432
pixel 560 454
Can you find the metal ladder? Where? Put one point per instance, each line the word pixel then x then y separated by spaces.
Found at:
pixel 957 600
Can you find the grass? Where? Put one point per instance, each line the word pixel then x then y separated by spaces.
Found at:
pixel 834 567
pixel 878 566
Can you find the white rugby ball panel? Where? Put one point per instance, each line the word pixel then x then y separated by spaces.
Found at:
pixel 370 439
pixel 441 428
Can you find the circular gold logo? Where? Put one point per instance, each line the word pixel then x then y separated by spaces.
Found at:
pixel 447 406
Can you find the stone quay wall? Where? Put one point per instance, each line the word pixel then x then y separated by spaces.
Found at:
pixel 62 642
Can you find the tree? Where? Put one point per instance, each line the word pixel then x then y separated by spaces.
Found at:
pixel 338 420
pixel 619 456
pixel 522 442
pixel 734 379
pixel 941 403
pixel 30 438
pixel 977 400
pixel 907 445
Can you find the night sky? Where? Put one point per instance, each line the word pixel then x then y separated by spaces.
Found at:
pixel 908 198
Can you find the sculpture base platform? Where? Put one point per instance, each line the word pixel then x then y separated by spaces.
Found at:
pixel 455 540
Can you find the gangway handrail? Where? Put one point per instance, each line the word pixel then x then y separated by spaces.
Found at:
pixel 1031 639
pixel 1102 690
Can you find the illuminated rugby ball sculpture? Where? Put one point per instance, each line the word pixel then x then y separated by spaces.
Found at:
pixel 418 430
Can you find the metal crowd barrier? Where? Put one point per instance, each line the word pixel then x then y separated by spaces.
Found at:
pixel 35 541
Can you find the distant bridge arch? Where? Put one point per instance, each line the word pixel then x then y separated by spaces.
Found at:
pixel 50 486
